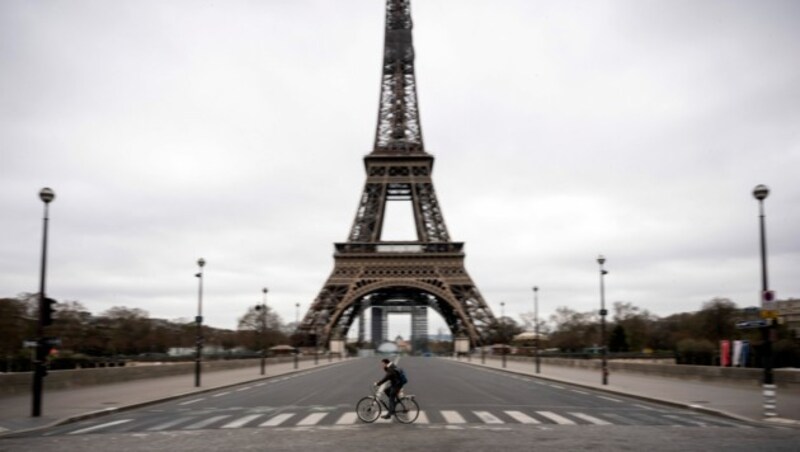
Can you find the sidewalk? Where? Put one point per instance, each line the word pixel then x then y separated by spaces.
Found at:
pixel 60 406
pixel 732 400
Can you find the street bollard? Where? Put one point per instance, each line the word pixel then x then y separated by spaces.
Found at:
pixel 504 359
pixel 296 359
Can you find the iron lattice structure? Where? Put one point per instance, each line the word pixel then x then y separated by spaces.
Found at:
pixel 369 272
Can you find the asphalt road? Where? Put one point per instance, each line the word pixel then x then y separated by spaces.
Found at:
pixel 315 410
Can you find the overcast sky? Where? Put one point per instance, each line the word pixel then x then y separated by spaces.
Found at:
pixel 235 131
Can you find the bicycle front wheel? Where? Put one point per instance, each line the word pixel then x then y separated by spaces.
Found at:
pixel 406 410
pixel 368 409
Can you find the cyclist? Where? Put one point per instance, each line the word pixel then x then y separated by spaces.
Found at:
pixel 395 384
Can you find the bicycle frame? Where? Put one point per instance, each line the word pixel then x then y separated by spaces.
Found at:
pixel 408 407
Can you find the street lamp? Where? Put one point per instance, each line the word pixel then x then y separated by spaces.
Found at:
pixel 603 312
pixel 297 314
pixel 47 196
pixel 199 321
pixel 503 330
pixel 263 309
pixel 760 193
pixel 536 326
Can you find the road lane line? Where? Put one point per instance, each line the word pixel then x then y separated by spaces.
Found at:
pixel 609 398
pixel 558 419
pixel 312 419
pixel 98 427
pixel 728 423
pixel 259 385
pixel 238 423
pixel 206 422
pixel 277 420
pixel 622 420
pixel 590 419
pixel 221 394
pixel 452 417
pixel 579 392
pixel 244 389
pixel 557 386
pixel 192 401
pixel 488 418
pixel 688 421
pixel 647 407
pixel 521 417
pixel 422 418
pixel 347 418
pixel 168 424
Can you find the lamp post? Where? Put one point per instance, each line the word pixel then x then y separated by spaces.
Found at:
pixel 199 321
pixel 536 326
pixel 47 196
pixel 503 330
pixel 760 193
pixel 263 318
pixel 603 312
pixel 297 314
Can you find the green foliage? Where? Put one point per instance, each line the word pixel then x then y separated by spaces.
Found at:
pixel 695 351
pixel 116 334
pixel 574 331
pixel 618 341
pixel 502 331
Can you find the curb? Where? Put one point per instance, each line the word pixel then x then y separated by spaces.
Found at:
pixel 770 421
pixel 131 406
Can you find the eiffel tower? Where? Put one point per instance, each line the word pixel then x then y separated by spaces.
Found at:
pixel 395 276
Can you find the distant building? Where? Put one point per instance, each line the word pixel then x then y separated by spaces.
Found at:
pixel 789 313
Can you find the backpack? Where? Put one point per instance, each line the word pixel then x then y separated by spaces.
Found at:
pixel 402 376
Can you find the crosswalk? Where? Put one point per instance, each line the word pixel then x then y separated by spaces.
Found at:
pixel 342 417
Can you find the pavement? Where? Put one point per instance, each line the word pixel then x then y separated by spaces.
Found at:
pixel 733 400
pixel 69 405
pixel 737 401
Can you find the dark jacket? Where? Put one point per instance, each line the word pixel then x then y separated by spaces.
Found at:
pixel 392 375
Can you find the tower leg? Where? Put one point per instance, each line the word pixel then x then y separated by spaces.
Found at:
pixel 361 327
pixel 377 326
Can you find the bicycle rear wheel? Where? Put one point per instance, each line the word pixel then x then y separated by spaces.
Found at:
pixel 406 410
pixel 368 409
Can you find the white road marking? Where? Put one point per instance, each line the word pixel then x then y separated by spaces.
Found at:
pixel 277 420
pixel 688 421
pixel 557 386
pixel 422 418
pixel 647 407
pixel 452 417
pixel 723 422
pixel 347 418
pixel 556 418
pixel 206 422
pixel 99 427
pixel 221 394
pixel 312 419
pixel 259 385
pixel 591 419
pixel 579 392
pixel 522 418
pixel 609 398
pixel 168 424
pixel 189 402
pixel 244 389
pixel 238 423
pixel 488 417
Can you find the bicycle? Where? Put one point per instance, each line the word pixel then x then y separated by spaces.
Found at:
pixel 406 410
